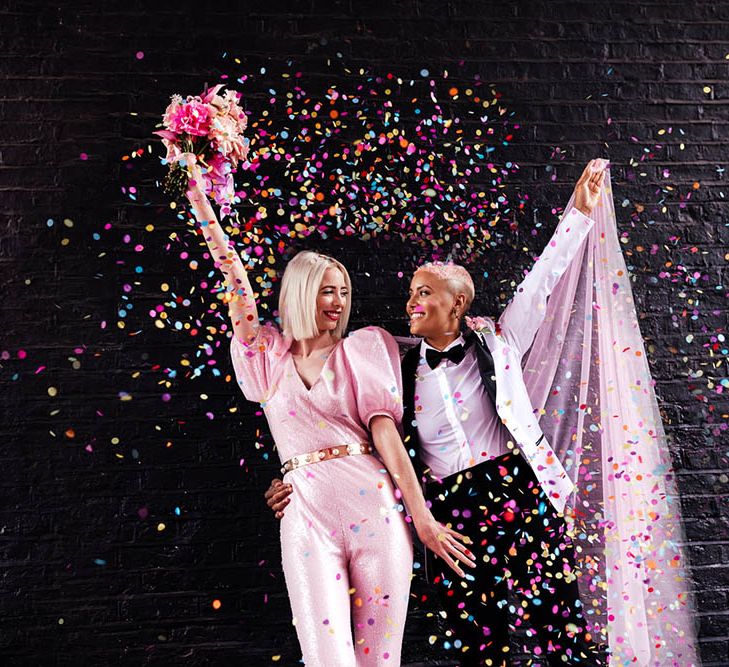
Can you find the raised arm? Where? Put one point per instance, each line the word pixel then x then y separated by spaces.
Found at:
pixel 242 304
pixel 441 540
pixel 525 313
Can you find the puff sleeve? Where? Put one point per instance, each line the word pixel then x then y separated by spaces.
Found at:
pixel 255 363
pixel 374 364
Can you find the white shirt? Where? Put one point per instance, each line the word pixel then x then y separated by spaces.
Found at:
pixel 457 422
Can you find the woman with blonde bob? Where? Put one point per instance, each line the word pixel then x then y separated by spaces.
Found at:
pixel 333 405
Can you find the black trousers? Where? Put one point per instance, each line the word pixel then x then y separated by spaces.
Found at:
pixel 522 551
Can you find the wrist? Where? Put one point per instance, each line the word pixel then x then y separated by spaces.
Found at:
pixel 421 515
pixel 197 197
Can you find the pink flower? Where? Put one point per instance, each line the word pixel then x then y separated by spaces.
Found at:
pixel 477 323
pixel 171 110
pixel 210 93
pixel 191 117
pixel 226 135
pixel 234 110
pixel 219 182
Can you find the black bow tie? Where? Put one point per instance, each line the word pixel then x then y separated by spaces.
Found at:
pixel 455 354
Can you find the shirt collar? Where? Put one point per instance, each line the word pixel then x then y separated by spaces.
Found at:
pixel 460 340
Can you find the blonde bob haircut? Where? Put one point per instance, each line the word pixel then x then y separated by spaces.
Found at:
pixel 299 290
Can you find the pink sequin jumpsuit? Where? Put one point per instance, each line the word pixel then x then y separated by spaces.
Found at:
pixel 346 549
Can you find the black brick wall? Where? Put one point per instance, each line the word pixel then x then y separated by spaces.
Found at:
pixel 90 473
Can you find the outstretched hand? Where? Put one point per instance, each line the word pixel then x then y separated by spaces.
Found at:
pixel 446 543
pixel 587 190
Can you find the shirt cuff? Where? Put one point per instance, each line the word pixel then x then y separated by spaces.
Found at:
pixel 575 215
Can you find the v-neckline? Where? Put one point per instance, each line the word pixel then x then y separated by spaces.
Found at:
pixel 321 372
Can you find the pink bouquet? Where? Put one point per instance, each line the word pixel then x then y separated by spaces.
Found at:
pixel 206 128
pixel 476 323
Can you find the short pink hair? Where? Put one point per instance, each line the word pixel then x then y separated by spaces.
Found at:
pixel 459 280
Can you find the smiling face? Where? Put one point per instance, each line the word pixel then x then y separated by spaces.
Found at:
pixel 331 300
pixel 433 309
